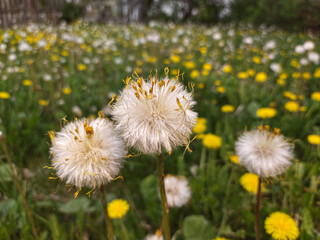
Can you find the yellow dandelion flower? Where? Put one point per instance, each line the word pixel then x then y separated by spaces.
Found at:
pixel 189 64
pixel 212 141
pixel 202 120
pixel 174 72
pixel 266 112
pixel 317 73
pixel 81 67
pixel 220 238
pixel 295 63
pixel 203 50
pixel 175 58
pixel 281 81
pixel 256 59
pixel 281 226
pixel 118 208
pixel 27 82
pixel 290 95
pixel 217 83
pixel 303 109
pixel 261 77
pixel 314 139
pixel 66 90
pixel 194 73
pixel 207 66
pixel 292 106
pixel 227 108
pixel 205 73
pixel 43 102
pixel 4 95
pixel 227 68
pixel 251 72
pixel 296 75
pixel 242 75
pixel 316 96
pixel 200 136
pixel 166 61
pixel 249 182
pixel 201 85
pixel 199 128
pixel 234 158
pixel 306 75
pixel 221 89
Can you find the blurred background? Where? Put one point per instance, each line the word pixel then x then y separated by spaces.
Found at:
pixel 286 14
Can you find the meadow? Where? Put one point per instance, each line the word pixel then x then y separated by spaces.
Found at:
pixel 240 77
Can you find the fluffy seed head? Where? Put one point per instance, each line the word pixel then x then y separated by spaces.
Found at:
pixel 264 153
pixel 154 115
pixel 177 190
pixel 87 153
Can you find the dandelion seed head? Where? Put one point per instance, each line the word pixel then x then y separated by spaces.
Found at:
pixel 264 153
pixel 87 153
pixel 154 115
pixel 177 190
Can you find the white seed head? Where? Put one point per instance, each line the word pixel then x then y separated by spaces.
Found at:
pixel 152 115
pixel 177 190
pixel 87 153
pixel 264 153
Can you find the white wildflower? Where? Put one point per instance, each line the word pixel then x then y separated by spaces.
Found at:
pixel 314 57
pixel 177 190
pixel 156 236
pixel 24 46
pixel 299 49
pixel 308 45
pixel 154 115
pixel 303 61
pixel 276 67
pixel 76 110
pixel 87 153
pixel 264 153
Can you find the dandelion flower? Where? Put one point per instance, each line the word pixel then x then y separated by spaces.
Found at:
pixel 316 96
pixel 234 158
pixel 118 208
pixel 227 108
pixel 266 112
pixel 292 106
pixel 264 153
pixel 249 182
pixel 220 238
pixel 212 141
pixel 281 226
pixel 314 139
pixel 87 153
pixel 4 95
pixel 152 115
pixel 261 77
pixel 177 190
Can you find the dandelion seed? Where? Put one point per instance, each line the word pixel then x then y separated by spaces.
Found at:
pixel 177 190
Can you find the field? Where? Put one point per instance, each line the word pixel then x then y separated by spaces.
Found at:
pixel 240 77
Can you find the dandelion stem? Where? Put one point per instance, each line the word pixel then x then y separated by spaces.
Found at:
pixel 16 181
pixel 203 157
pixel 164 204
pixel 106 215
pixel 124 230
pixel 258 206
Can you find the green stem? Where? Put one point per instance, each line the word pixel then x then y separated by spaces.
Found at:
pixel 258 206
pixel 203 157
pixel 124 230
pixel 228 191
pixel 16 181
pixel 106 215
pixel 164 204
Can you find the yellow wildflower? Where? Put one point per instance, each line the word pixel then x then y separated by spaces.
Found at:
pixel 221 89
pixel 4 95
pixel 43 102
pixel 194 73
pixel 251 72
pixel 314 139
pixel 290 95
pixel 207 66
pixel 250 181
pixel 66 90
pixel 234 158
pixel 212 141
pixel 292 106
pixel 118 208
pixel 281 226
pixel 266 112
pixel 315 96
pixel 175 58
pixel 81 67
pixel 242 75
pixel 261 77
pixel 227 68
pixel 227 108
pixel 27 82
